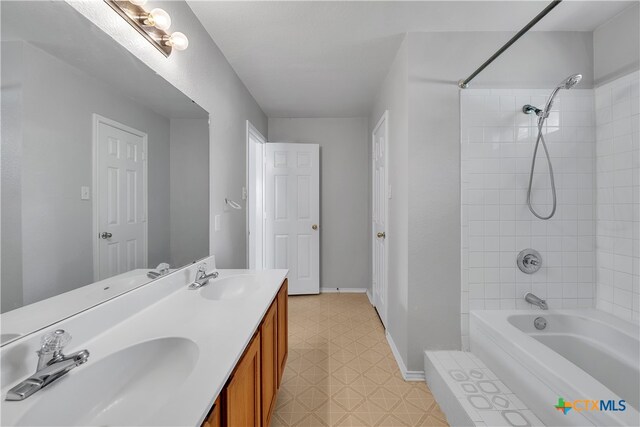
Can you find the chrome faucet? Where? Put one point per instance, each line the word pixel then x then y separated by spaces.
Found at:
pixel 161 270
pixel 52 364
pixel 202 278
pixel 537 301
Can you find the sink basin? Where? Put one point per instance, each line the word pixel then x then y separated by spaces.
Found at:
pixel 115 390
pixel 231 287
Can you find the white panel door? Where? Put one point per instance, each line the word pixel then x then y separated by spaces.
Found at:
pixel 121 198
pixel 292 193
pixel 379 210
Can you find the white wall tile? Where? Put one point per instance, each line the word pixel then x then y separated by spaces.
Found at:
pixel 497 145
pixel 591 248
pixel 617 197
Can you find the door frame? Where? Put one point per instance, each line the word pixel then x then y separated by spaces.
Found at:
pixel 97 120
pixel 249 186
pixel 383 119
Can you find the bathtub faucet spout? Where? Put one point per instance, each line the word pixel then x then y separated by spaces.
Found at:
pixel 532 299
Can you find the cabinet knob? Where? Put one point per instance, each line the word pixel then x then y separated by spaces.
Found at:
pixel 314 226
pixel 381 235
pixel 106 235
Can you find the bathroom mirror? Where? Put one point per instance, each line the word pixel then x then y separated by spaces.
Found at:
pixel 104 167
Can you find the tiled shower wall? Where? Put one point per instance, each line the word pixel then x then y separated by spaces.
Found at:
pixel 618 197
pixel 497 144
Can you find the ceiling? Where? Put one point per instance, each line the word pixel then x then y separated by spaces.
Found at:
pixel 328 58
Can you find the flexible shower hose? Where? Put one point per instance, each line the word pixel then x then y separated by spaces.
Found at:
pixel 533 166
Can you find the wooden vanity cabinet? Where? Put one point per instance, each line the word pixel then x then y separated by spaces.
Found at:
pixel 241 397
pixel 214 418
pixel 269 355
pixel 249 397
pixel 283 328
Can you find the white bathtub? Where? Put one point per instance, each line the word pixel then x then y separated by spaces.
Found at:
pixel 580 355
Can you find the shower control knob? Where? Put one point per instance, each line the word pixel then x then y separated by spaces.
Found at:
pixel 529 261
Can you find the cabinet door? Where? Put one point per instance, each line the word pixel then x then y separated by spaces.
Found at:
pixel 269 356
pixel 213 419
pixel 242 395
pixel 283 328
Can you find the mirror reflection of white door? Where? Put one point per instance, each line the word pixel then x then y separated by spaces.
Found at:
pixel 379 208
pixel 292 193
pixel 120 199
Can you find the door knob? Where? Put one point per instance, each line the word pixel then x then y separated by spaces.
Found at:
pixel 106 235
pixel 381 235
pixel 314 226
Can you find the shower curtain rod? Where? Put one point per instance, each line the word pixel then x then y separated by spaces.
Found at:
pixel 463 84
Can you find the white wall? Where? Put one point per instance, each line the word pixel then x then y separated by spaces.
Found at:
pixel 189 190
pixel 497 142
pixel 203 74
pixel 616 46
pixel 618 196
pixel 344 219
pixel 393 96
pixel 56 160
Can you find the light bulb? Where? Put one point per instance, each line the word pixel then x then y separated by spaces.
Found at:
pixel 178 41
pixel 138 2
pixel 159 19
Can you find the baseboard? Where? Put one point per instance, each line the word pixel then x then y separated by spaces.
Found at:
pixel 370 297
pixel 414 376
pixel 343 290
pixel 406 374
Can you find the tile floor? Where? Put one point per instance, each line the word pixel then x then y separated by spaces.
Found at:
pixel 341 371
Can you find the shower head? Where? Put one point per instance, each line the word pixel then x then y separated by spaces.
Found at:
pixel 570 81
pixel 543 113
pixel 567 83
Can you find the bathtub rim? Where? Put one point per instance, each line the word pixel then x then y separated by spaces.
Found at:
pixel 559 374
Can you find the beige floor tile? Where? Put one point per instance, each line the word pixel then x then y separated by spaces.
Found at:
pixel 341 372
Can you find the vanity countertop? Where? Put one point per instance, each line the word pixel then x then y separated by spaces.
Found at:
pixel 198 335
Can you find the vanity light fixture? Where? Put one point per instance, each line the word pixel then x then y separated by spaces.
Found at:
pixel 158 18
pixel 151 25
pixel 177 40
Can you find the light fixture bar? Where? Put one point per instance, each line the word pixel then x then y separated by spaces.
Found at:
pixel 131 13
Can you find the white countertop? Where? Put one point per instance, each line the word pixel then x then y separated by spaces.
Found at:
pixel 221 329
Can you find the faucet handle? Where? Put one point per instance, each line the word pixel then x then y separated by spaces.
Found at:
pixel 163 268
pixel 202 268
pixel 54 341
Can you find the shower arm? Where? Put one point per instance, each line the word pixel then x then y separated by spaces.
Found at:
pixel 463 84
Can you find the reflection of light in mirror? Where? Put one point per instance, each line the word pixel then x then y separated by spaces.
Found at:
pixel 138 2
